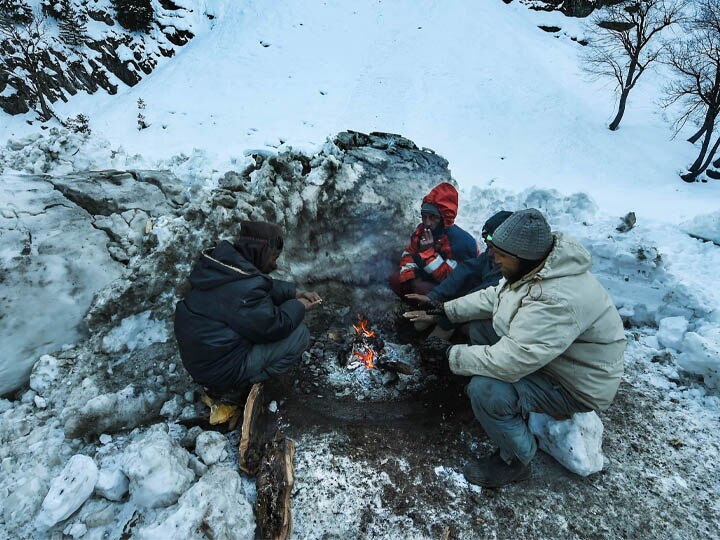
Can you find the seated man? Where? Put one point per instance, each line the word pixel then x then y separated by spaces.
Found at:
pixel 547 339
pixel 436 247
pixel 238 326
pixel 471 275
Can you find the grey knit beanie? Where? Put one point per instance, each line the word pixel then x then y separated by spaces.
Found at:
pixel 525 234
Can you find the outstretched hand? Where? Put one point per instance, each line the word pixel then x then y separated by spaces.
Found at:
pixel 419 316
pixel 309 299
pixel 419 298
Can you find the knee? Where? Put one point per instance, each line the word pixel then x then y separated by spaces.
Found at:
pixel 302 339
pixel 492 395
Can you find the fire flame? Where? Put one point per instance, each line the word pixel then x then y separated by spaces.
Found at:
pixel 361 328
pixel 367 358
pixel 367 355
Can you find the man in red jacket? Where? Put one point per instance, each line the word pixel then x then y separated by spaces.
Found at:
pixel 436 247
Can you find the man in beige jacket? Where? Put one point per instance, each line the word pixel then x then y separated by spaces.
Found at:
pixel 547 338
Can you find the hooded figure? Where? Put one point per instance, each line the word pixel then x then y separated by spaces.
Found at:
pixel 436 246
pixel 237 325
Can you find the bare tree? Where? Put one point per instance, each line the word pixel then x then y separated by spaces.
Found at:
pixel 626 42
pixel 696 62
pixel 22 46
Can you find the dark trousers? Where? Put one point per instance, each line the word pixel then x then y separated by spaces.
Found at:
pixel 267 360
pixel 502 408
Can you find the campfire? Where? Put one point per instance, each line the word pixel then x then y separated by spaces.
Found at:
pixel 367 349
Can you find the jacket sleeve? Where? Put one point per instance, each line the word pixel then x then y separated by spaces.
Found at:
pixel 408 267
pixel 540 332
pixel 432 263
pixel 460 281
pixel 477 305
pixel 265 322
pixel 282 291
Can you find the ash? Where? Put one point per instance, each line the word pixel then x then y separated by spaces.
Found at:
pixel 325 368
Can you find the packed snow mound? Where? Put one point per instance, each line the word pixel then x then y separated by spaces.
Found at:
pixel 157 469
pixel 576 442
pixel 215 507
pixel 705 227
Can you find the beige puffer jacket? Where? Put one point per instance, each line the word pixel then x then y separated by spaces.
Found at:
pixel 558 319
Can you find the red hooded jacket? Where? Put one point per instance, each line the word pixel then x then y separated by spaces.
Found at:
pixel 453 246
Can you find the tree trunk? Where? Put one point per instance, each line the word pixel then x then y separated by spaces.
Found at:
pixel 621 110
pixel 695 167
pixel 701 165
pixel 699 134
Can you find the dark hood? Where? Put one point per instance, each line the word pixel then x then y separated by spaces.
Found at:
pixel 220 265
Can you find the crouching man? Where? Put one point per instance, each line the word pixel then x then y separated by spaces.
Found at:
pixel 238 326
pixel 547 339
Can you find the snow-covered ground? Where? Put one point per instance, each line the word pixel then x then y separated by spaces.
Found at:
pixel 507 105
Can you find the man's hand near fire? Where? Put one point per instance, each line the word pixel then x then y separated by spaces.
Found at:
pixel 309 299
pixel 419 316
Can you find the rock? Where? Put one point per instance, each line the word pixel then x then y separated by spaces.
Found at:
pixel 113 412
pixel 627 222
pixel 157 469
pixel 576 443
pixel 210 447
pixel 216 505
pixel 112 484
pixel 68 491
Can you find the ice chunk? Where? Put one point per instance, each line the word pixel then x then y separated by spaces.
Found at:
pixel 672 331
pixel 135 332
pixel 68 491
pixel 215 505
pixel 576 443
pixel 44 373
pixel 157 469
pixel 210 447
pixel 701 354
pixel 112 484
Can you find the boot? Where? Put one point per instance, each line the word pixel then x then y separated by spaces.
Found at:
pixel 493 472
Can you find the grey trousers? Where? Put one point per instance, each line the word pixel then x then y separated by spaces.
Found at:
pixel 267 360
pixel 502 408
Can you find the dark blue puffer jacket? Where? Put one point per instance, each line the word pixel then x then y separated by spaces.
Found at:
pixel 231 307
pixel 471 275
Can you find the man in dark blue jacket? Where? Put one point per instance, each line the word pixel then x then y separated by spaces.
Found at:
pixel 469 276
pixel 238 326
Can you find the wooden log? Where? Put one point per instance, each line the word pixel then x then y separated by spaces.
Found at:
pixel 253 431
pixel 274 483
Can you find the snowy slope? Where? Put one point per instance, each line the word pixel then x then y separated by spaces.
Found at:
pixel 478 82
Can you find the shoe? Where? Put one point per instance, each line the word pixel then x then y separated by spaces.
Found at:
pixel 494 472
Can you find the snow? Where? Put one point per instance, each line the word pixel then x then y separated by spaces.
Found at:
pixel 576 442
pixel 210 447
pixel 478 83
pixel 68 491
pixel 157 470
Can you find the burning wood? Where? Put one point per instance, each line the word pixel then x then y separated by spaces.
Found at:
pixel 368 349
